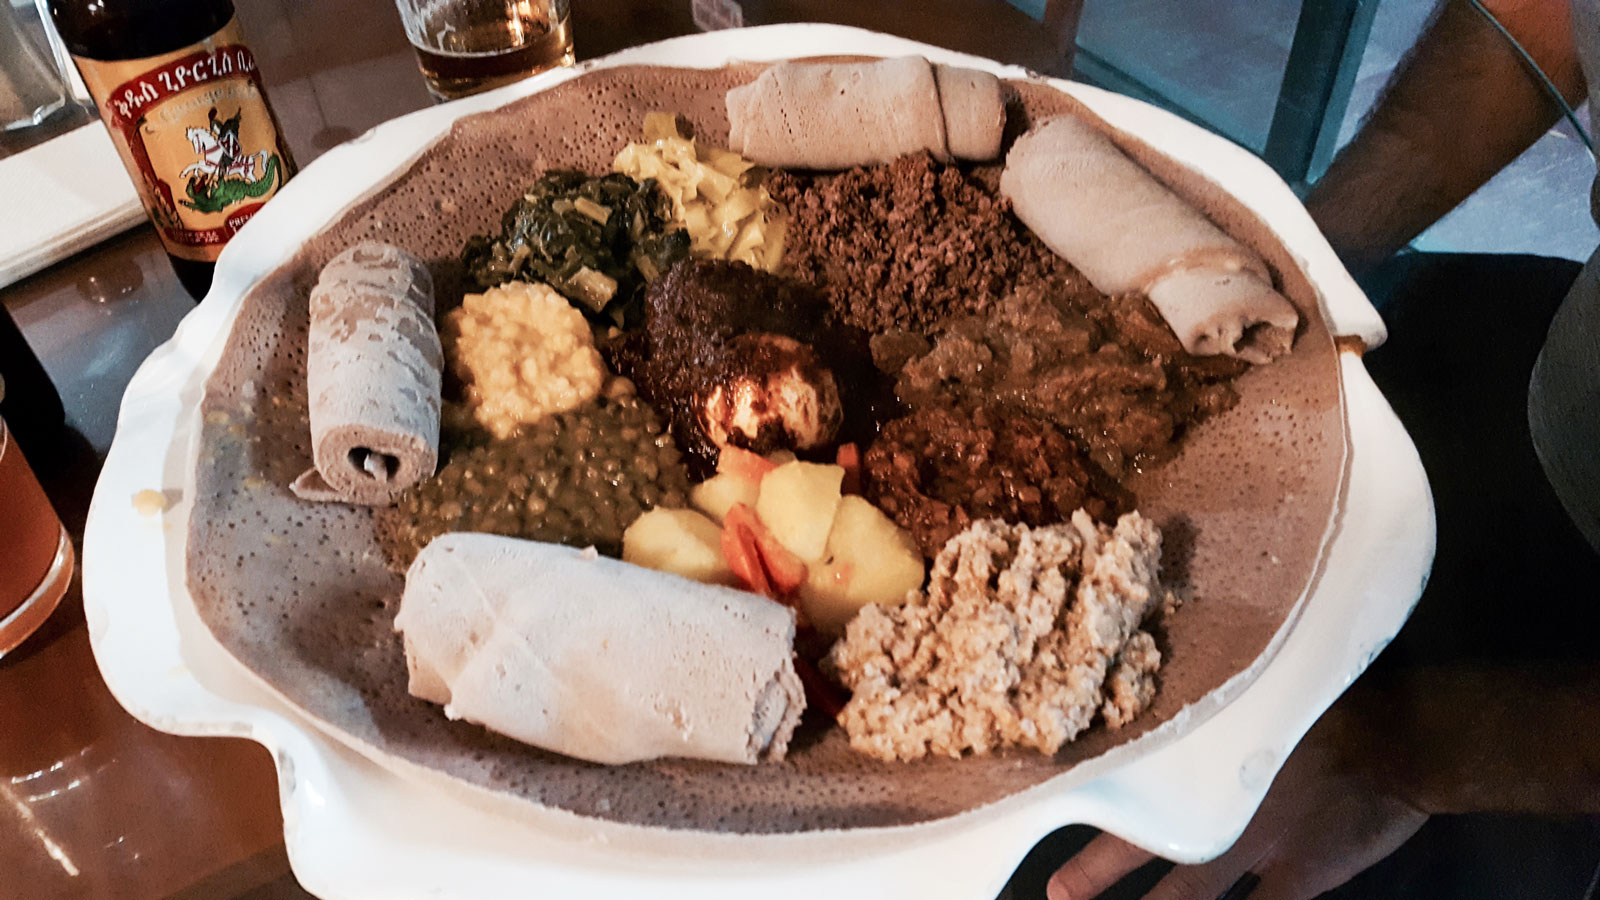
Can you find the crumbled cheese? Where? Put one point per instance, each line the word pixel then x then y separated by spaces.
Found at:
pixel 1023 635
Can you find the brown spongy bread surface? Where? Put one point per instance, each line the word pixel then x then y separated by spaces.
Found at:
pixel 300 592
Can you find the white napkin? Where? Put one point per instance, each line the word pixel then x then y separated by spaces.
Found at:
pixel 61 197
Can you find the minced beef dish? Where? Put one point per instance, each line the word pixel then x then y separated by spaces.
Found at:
pixel 910 244
pixel 1026 393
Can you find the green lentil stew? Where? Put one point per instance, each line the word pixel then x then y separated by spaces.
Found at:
pixel 578 478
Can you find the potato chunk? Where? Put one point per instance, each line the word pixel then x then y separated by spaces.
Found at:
pixel 797 501
pixel 717 494
pixel 681 541
pixel 869 559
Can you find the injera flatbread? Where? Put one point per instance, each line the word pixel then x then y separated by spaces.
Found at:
pixel 511 633
pixel 836 115
pixel 373 381
pixel 1102 212
pixel 300 594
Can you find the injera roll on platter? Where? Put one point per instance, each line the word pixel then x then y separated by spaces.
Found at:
pixel 834 115
pixel 1102 212
pixel 301 594
pixel 373 377
pixel 510 633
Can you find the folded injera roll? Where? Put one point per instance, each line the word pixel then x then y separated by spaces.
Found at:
pixel 595 658
pixel 834 115
pixel 373 365
pixel 1126 231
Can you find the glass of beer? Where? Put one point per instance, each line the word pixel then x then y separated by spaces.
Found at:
pixel 467 46
pixel 36 558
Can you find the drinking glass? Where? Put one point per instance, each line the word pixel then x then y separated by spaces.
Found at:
pixel 77 91
pixel 36 558
pixel 467 46
pixel 31 88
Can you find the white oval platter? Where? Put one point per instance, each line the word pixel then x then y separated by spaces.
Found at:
pixel 355 831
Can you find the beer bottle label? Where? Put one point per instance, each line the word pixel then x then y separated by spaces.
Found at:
pixel 195 131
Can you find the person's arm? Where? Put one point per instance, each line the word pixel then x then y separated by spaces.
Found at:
pixel 1399 746
pixel 1459 108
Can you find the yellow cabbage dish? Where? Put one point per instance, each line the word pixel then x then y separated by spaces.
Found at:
pixel 716 194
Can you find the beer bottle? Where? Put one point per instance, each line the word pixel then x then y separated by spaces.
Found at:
pixel 183 100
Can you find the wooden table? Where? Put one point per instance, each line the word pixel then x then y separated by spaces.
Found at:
pixel 92 802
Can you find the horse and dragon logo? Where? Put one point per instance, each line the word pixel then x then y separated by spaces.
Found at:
pixel 224 174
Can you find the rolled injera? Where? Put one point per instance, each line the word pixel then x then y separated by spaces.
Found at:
pixel 595 658
pixel 838 115
pixel 373 366
pixel 1127 232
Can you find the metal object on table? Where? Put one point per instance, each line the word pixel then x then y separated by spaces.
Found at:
pixel 1329 39
pixel 465 47
pixel 1318 76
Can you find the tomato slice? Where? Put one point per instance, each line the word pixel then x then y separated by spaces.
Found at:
pixel 739 548
pixel 785 570
pixel 782 570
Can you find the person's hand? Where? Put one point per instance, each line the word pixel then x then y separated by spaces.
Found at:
pixel 1318 827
